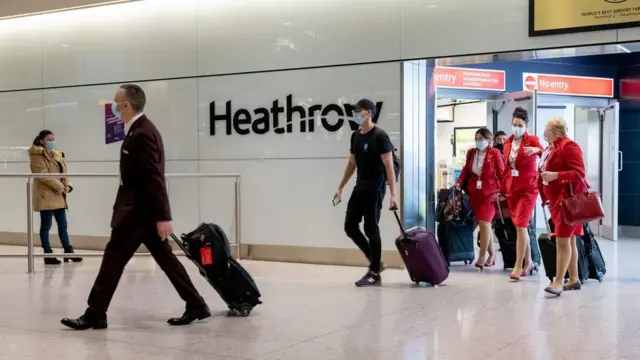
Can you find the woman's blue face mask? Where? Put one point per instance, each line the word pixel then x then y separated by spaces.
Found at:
pixel 50 145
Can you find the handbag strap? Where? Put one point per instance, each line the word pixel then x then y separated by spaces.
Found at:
pixel 584 183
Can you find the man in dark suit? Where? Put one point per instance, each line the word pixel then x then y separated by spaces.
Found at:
pixel 141 215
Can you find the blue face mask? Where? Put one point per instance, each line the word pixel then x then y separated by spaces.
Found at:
pixel 357 117
pixel 114 110
pixel 518 131
pixel 481 145
pixel 50 145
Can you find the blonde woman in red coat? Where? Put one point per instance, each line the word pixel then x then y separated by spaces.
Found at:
pixel 480 178
pixel 562 171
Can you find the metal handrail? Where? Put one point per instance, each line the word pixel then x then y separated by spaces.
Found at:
pixel 30 234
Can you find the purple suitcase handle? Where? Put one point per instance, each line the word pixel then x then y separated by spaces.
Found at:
pixel 406 241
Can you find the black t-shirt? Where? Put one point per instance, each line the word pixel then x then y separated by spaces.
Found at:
pixel 367 149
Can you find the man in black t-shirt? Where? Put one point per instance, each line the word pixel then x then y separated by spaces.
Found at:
pixel 372 156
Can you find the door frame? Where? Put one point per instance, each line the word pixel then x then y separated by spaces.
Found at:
pixel 603 230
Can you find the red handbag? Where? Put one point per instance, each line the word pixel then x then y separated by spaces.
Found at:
pixel 583 207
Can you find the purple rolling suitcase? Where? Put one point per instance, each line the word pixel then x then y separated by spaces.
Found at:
pixel 422 256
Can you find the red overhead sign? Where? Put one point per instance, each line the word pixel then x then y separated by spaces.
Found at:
pixel 630 88
pixel 568 85
pixel 469 79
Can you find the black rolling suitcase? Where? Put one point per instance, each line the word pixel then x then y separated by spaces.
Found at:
pixel 507 235
pixel 208 247
pixel 547 243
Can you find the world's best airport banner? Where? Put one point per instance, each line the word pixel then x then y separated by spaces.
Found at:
pixel 550 17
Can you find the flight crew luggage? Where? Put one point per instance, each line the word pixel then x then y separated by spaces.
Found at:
pixel 597 266
pixel 422 256
pixel 456 241
pixel 507 235
pixel 208 247
pixel 456 225
pixel 548 250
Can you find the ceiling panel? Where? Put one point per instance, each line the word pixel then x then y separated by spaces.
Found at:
pixel 14 8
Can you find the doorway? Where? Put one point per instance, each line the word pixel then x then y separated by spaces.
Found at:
pixel 597 133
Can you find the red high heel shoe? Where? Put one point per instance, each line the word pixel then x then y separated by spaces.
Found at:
pixel 530 270
pixel 491 261
pixel 479 266
pixel 514 277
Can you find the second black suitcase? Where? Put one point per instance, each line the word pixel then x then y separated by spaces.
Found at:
pixel 597 266
pixel 208 248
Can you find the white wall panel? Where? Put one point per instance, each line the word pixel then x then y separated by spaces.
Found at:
pixel 20 54
pixel 432 28
pixel 13 196
pixel 76 116
pixel 91 202
pixel 250 35
pixel 132 41
pixel 20 122
pixel 286 202
pixel 326 87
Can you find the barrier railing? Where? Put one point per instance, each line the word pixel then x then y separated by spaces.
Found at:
pixel 30 233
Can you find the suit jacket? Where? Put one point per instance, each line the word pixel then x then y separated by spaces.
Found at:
pixel 492 170
pixel 142 197
pixel 566 159
pixel 526 166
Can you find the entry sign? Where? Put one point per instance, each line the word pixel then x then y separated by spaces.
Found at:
pixel 469 79
pixel 568 85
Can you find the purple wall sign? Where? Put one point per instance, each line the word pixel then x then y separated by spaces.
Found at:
pixel 114 127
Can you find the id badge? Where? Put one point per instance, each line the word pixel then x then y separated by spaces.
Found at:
pixel 515 172
pixel 479 185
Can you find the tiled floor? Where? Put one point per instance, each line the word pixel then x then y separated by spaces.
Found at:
pixel 314 312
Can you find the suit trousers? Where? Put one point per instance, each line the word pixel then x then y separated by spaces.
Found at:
pixel 121 247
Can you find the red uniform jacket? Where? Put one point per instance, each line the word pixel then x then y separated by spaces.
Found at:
pixel 566 159
pixel 492 170
pixel 526 166
pixel 142 198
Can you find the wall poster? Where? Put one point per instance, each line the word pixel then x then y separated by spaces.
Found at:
pixel 551 17
pixel 114 127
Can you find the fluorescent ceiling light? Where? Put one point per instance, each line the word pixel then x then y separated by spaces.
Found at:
pixel 54 10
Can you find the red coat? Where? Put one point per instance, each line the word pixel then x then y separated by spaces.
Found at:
pixel 492 168
pixel 526 166
pixel 566 159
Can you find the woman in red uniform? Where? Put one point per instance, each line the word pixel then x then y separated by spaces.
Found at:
pixel 480 178
pixel 562 170
pixel 521 152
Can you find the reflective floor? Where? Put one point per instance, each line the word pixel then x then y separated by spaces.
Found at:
pixel 315 313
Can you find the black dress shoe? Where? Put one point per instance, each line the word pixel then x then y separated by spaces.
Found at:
pixel 190 316
pixel 84 323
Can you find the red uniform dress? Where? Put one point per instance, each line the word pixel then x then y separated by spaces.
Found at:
pixel 490 166
pixel 565 158
pixel 520 176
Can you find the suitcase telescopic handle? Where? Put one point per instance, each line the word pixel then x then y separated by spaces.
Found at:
pixel 499 207
pixel 546 220
pixel 404 233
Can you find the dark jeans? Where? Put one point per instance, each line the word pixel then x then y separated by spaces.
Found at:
pixel 46 220
pixel 366 205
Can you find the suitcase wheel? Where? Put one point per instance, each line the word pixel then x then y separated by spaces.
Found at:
pixel 245 310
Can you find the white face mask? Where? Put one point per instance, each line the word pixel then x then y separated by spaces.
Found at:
pixel 518 131
pixel 481 145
